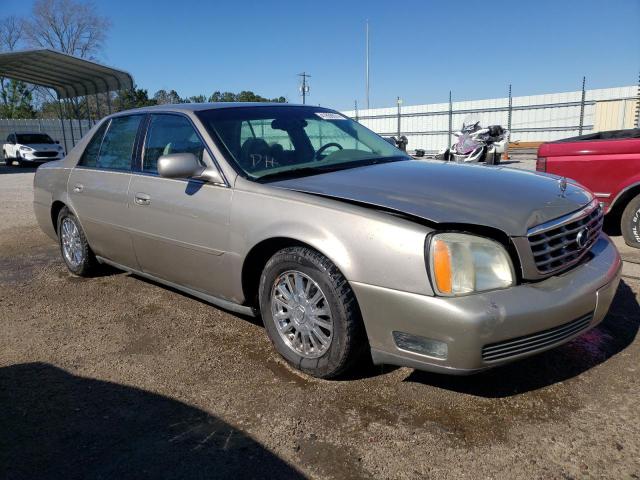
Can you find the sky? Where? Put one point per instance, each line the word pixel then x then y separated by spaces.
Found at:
pixel 419 49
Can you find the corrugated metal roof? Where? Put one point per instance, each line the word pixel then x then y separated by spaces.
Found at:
pixel 69 76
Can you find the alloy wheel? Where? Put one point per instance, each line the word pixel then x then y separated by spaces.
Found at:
pixel 301 314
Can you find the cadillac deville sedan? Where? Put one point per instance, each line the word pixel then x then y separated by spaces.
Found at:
pixel 343 244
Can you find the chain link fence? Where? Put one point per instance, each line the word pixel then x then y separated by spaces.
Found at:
pixel 530 119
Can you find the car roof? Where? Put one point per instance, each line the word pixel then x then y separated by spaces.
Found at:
pixel 196 107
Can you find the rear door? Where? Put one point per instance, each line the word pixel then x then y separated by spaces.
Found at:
pixel 98 188
pixel 180 227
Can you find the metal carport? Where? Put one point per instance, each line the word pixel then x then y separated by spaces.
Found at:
pixel 68 76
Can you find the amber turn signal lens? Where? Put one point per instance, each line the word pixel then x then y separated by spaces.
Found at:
pixel 442 266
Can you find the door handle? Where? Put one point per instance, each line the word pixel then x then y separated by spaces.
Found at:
pixel 142 199
pixel 78 187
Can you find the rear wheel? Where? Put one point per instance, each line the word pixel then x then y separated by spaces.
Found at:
pixel 75 250
pixel 8 161
pixel 493 158
pixel 310 312
pixel 630 223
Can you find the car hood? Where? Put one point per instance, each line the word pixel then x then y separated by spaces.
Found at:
pixel 504 198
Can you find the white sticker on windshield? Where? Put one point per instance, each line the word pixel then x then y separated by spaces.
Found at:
pixel 330 116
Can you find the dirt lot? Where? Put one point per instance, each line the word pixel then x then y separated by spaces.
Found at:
pixel 117 377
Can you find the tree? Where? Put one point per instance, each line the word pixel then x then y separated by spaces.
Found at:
pixel 68 26
pixel 197 99
pixel 16 96
pixel 243 96
pixel 11 33
pixel 135 98
pixel 163 97
pixel 16 100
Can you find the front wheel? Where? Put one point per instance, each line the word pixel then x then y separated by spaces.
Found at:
pixel 630 223
pixel 75 250
pixel 310 312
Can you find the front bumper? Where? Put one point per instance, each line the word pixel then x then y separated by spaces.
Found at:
pixel 30 157
pixel 467 324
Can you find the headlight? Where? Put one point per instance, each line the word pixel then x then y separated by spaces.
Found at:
pixel 26 149
pixel 460 264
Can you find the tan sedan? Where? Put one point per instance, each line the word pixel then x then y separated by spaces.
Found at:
pixel 341 242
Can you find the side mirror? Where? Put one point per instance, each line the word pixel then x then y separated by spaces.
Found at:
pixel 57 141
pixel 186 165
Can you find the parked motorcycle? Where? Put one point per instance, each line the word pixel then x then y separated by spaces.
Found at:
pixel 477 144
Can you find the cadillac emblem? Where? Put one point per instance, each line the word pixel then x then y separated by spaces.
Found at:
pixel 583 237
pixel 562 184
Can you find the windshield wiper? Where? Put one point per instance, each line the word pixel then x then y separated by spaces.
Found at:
pixel 307 171
pixel 298 172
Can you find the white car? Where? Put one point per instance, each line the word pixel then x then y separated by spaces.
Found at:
pixel 31 148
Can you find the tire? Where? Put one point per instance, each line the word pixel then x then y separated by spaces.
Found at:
pixel 347 342
pixel 8 161
pixel 630 223
pixel 493 159
pixel 85 263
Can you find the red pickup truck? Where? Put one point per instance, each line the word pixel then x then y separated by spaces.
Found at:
pixel 607 163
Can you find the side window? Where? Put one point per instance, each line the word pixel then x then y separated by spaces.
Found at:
pixel 11 138
pixel 169 134
pixel 90 155
pixel 117 146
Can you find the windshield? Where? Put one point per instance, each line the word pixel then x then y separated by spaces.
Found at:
pixel 26 138
pixel 268 142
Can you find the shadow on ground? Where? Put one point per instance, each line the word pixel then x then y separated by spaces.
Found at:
pixel 614 334
pixel 15 169
pixel 57 425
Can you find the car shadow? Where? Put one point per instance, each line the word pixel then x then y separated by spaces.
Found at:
pixel 15 168
pixel 257 320
pixel 613 335
pixel 509 162
pixel 57 425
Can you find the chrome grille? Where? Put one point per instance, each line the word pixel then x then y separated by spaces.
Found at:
pixel 535 341
pixel 561 243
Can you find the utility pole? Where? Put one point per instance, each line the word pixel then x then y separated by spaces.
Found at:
pixel 355 103
pixel 367 67
pixel 304 88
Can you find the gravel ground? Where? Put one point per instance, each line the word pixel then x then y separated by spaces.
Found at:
pixel 117 377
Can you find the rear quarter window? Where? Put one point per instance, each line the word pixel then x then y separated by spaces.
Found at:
pixel 90 156
pixel 116 150
pixel 111 148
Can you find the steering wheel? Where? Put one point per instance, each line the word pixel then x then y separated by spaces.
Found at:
pixel 324 147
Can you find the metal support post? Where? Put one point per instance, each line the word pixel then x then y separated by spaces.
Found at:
pixel 582 107
pixel 64 135
pixel 450 119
